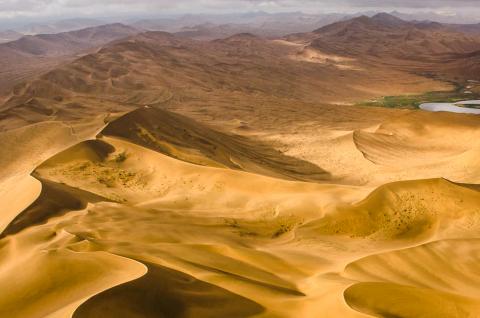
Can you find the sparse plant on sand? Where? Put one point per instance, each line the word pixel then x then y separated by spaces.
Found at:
pixel 121 157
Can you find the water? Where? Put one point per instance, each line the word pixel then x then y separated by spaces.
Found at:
pixel 452 107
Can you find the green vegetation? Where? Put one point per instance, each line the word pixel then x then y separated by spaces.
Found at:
pixel 284 226
pixel 103 173
pixel 267 228
pixel 414 101
pixel 121 157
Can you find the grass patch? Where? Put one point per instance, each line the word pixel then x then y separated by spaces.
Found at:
pixel 104 173
pixel 414 101
pixel 283 227
pixel 121 157
pixel 266 228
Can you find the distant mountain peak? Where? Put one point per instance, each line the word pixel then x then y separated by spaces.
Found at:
pixel 65 43
pixel 384 17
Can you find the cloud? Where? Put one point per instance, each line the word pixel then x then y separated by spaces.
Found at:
pixel 45 8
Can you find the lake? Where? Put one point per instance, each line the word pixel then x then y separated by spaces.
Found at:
pixel 452 107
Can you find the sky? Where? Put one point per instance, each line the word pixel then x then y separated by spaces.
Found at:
pixel 41 9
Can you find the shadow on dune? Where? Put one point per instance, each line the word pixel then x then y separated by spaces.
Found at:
pixel 185 139
pixel 164 292
pixel 54 200
pixel 389 300
pixel 418 281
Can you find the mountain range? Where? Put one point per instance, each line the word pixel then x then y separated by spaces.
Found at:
pixel 33 54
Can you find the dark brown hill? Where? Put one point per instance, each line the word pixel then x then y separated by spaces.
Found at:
pixel 69 42
pixel 241 77
pixel 30 55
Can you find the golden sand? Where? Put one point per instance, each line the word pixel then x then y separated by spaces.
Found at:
pixel 135 223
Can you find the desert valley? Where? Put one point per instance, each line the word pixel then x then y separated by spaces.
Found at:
pixel 277 171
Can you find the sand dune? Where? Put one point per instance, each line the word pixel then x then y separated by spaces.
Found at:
pixel 183 237
pixel 163 292
pixel 428 146
pixel 76 276
pixel 418 138
pixel 408 210
pixel 24 147
pixel 438 279
pixel 187 140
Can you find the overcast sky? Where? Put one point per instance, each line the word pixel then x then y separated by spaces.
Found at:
pixel 17 9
